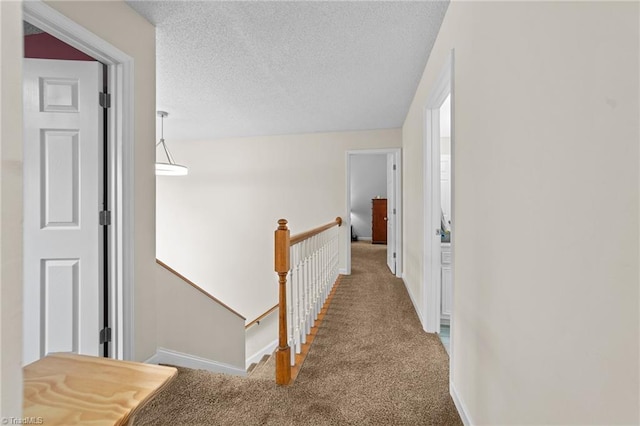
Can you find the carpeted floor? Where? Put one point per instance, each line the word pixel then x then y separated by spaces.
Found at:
pixel 371 363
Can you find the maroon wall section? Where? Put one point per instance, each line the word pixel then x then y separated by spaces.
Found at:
pixel 46 46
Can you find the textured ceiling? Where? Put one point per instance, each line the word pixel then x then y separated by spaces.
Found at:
pixel 233 69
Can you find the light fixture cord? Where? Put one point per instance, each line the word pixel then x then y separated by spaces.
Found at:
pixel 161 141
pixel 164 145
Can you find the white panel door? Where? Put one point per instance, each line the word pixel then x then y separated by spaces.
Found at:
pixel 62 201
pixel 391 218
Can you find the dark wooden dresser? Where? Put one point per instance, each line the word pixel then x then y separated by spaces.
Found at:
pixel 379 221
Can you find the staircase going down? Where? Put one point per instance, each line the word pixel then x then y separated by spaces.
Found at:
pixel 264 369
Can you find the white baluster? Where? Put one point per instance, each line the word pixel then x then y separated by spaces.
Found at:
pixel 307 279
pixel 298 301
pixel 322 278
pixel 337 255
pixel 325 267
pixel 337 261
pixel 327 262
pixel 319 273
pixel 332 249
pixel 300 306
pixel 289 310
pixel 296 298
pixel 303 282
pixel 320 290
pixel 315 279
pixel 301 319
pixel 310 278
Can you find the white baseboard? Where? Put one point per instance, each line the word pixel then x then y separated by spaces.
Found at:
pixel 342 271
pixel 364 238
pixel 168 356
pixel 255 358
pixel 462 409
pixel 413 300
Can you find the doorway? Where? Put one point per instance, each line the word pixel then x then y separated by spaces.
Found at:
pixel 446 273
pixel 439 208
pixel 118 175
pixel 375 189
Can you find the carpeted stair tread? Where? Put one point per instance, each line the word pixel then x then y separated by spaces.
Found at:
pixel 370 364
pixel 258 364
pixel 265 369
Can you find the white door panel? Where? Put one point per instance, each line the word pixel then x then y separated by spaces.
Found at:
pixel 391 218
pixel 62 201
pixel 60 289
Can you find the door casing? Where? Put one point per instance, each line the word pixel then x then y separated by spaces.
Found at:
pixel 396 153
pixel 431 289
pixel 120 162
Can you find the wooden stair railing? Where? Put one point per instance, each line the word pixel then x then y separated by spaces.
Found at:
pixel 261 317
pixel 313 275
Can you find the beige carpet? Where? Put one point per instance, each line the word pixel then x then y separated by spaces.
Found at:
pixel 371 363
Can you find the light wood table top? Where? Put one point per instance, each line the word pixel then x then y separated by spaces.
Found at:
pixel 70 389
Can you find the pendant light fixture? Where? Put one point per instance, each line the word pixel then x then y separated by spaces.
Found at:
pixel 170 168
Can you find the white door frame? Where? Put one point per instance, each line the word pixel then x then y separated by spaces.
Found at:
pixel 432 261
pixel 121 138
pixel 397 177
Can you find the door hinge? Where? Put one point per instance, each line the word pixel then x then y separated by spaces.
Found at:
pixel 105 218
pixel 394 167
pixel 394 254
pixel 394 211
pixel 105 335
pixel 105 100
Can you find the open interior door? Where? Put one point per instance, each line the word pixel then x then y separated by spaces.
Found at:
pixel 62 203
pixel 391 214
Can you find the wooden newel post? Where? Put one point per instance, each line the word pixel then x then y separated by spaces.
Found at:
pixel 283 354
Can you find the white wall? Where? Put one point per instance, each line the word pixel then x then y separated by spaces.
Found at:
pixel 546 236
pixel 216 225
pixel 10 209
pixel 118 24
pixel 190 322
pixel 261 339
pixel 368 180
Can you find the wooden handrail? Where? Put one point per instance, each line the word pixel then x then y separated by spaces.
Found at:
pixel 257 320
pixel 197 287
pixel 308 234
